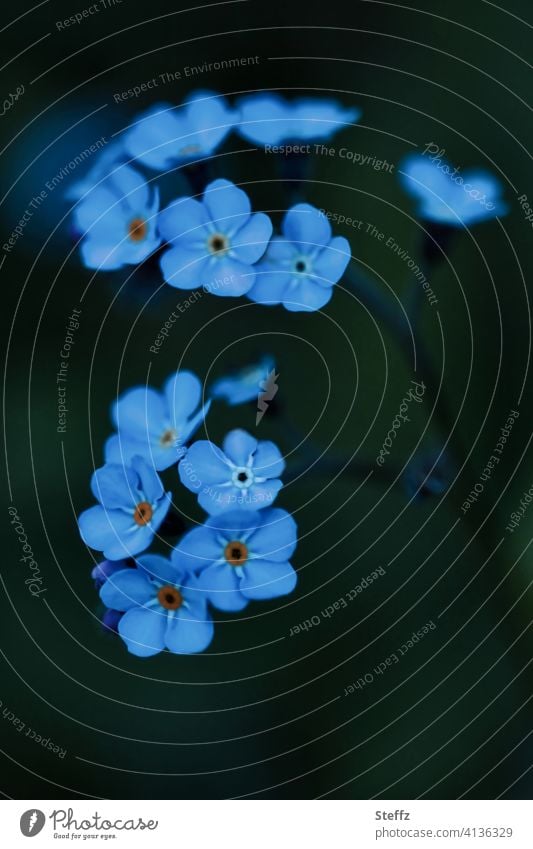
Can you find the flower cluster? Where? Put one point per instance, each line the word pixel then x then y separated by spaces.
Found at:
pixel 240 554
pixel 216 243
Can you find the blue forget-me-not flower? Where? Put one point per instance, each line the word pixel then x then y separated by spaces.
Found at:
pixel 156 425
pixel 162 606
pixel 241 556
pixel 215 242
pixel 244 474
pixel 132 506
pixel 301 267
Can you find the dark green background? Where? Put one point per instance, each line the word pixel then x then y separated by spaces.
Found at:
pixel 257 714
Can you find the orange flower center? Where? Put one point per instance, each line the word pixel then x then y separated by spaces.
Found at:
pixel 143 513
pixel 170 598
pixel 168 437
pixel 236 553
pixel 137 229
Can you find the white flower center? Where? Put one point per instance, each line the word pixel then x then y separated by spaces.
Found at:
pixel 242 477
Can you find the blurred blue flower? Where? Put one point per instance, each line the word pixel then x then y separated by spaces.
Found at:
pixel 132 506
pixel 429 473
pixel 157 425
pixel 447 197
pixel 270 119
pixel 300 268
pixel 241 557
pixel 245 474
pixel 214 243
pixel 166 135
pixel 107 161
pixel 117 220
pixel 243 385
pixel 162 606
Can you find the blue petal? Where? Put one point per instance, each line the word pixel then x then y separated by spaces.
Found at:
pixel 306 296
pixel 183 392
pixel 227 277
pixel 221 586
pixel 264 579
pixel 216 499
pixel 151 484
pixel 143 631
pixel 262 494
pixel 314 118
pixel 184 219
pixel 153 138
pixel 160 568
pixel 114 532
pixel 209 120
pixel 127 589
pixel 115 486
pixel 307 226
pixel 99 203
pixel 268 460
pixel 239 446
pixel 331 263
pixel 102 256
pixel 423 178
pixel 197 550
pixel 235 524
pixel 251 241
pixel 120 449
pixel 204 465
pixel 275 536
pixel 129 183
pixel 264 118
pixel 188 635
pixel 184 268
pixel 228 206
pixel 140 413
pixel 244 385
pixel 270 287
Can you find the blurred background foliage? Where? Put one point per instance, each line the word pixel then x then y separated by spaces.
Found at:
pixel 263 713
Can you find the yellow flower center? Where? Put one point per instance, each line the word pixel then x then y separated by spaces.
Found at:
pixel 236 553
